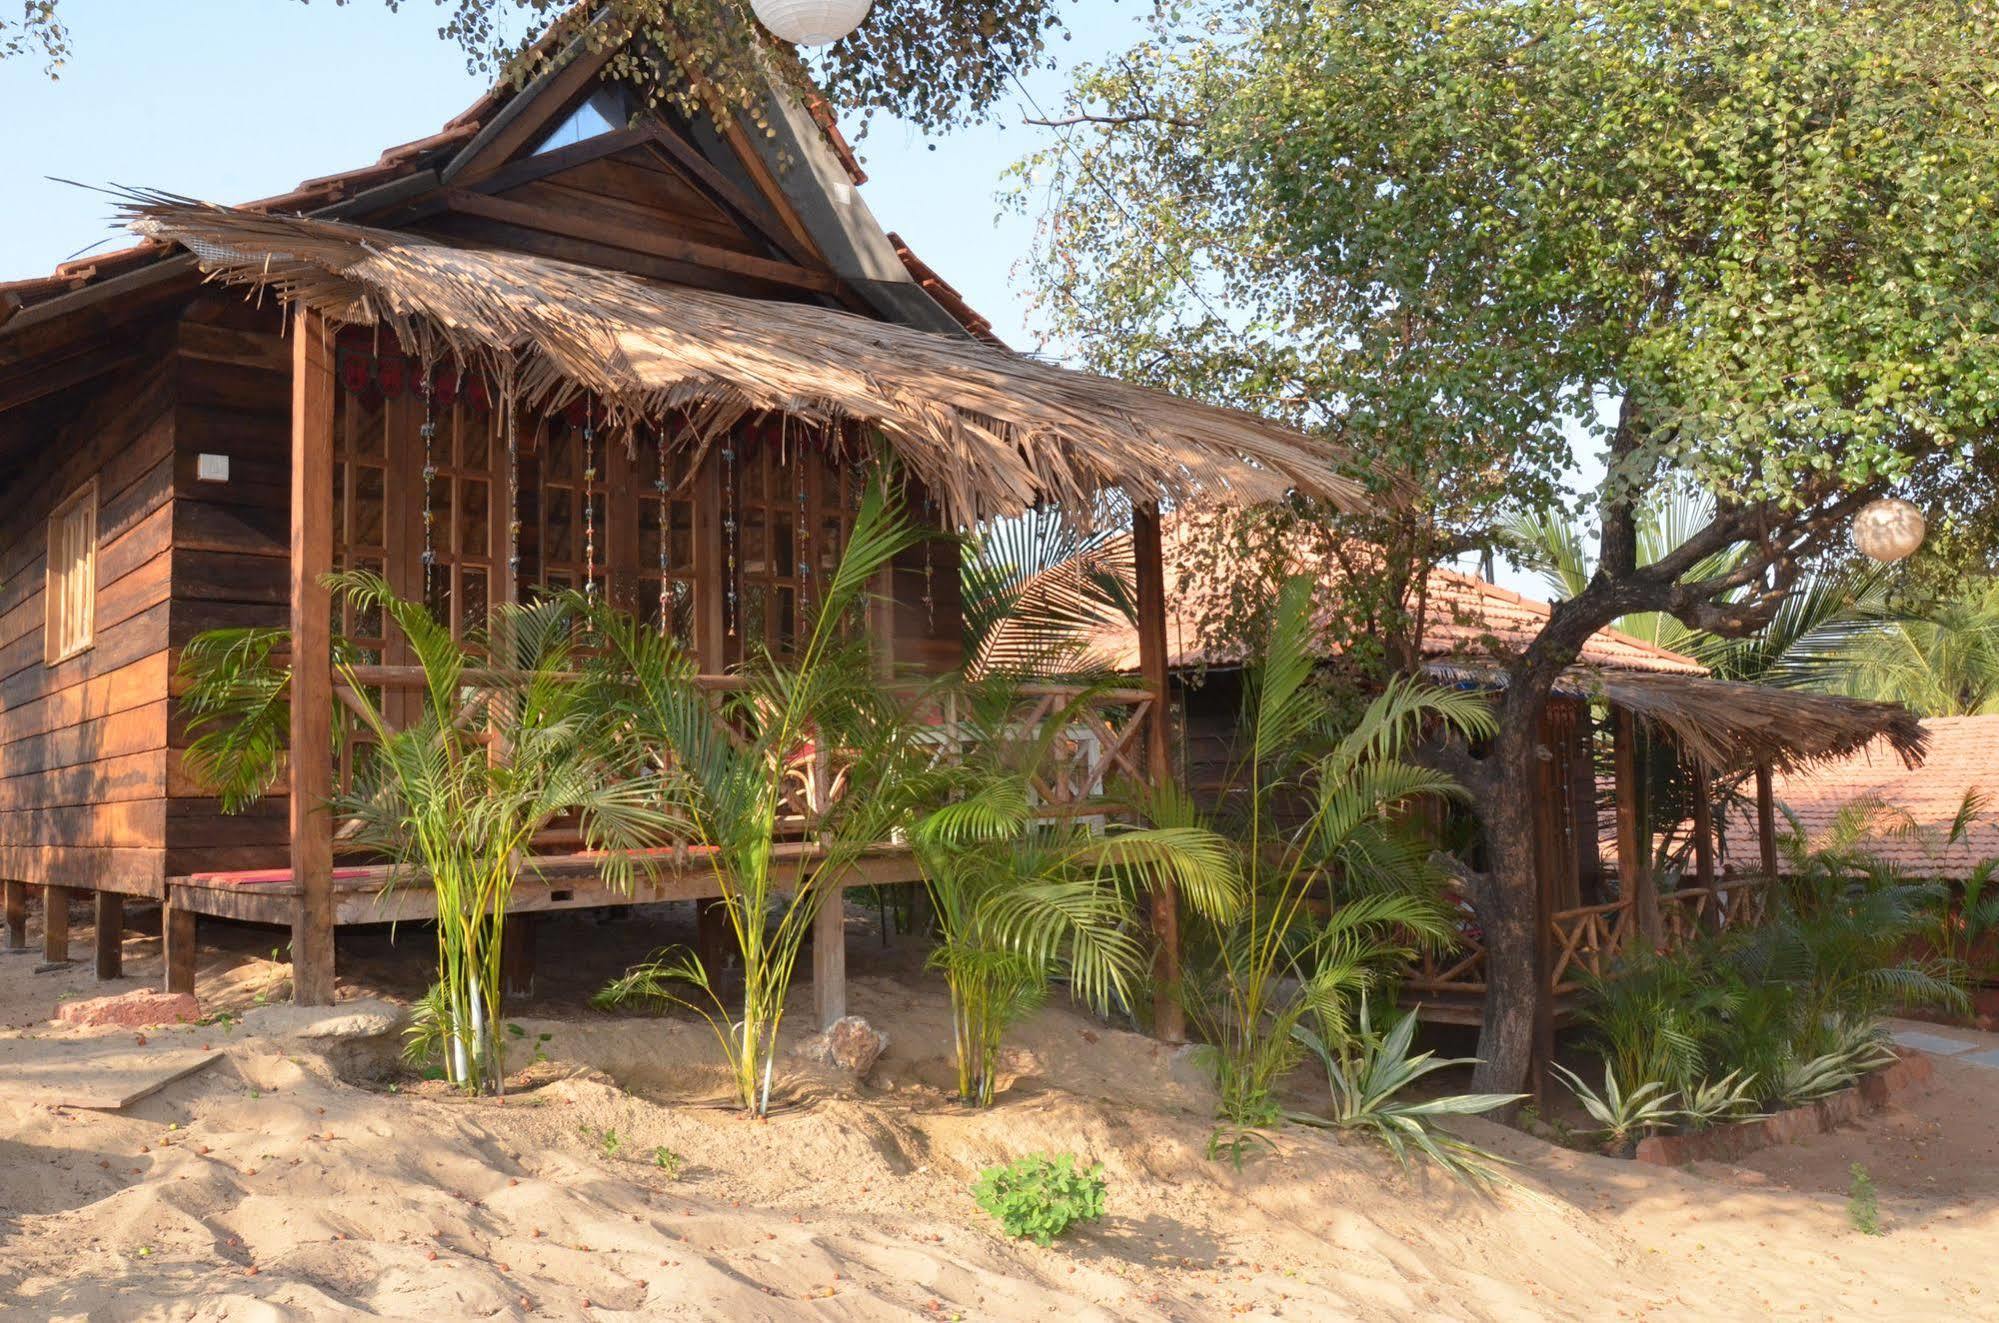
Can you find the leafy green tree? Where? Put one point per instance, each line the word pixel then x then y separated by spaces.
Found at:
pixel 931 62
pixel 1740 245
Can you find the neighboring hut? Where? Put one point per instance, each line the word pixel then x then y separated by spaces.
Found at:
pixel 1718 728
pixel 1912 815
pixel 563 340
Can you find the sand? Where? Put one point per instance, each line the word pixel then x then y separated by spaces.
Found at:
pixel 281 1183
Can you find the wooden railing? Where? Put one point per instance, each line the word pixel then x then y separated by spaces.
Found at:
pixel 1101 744
pixel 1588 940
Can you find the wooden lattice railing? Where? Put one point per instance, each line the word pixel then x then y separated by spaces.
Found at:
pixel 1100 745
pixel 1588 940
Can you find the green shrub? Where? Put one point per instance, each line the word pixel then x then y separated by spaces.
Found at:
pixel 1039 1197
pixel 1863 1206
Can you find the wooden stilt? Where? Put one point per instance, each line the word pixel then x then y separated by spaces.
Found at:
pixel 109 935
pixel 14 901
pixel 1169 1020
pixel 178 931
pixel 55 925
pixel 1634 869
pixel 517 955
pixel 311 755
pixel 714 938
pixel 1704 845
pixel 829 958
pixel 1766 820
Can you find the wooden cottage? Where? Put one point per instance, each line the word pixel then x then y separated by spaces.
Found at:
pixel 555 343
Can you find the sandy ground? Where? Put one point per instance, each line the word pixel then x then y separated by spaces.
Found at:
pixel 271 1187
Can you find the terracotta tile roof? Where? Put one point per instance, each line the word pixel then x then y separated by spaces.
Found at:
pixel 1467 617
pixel 1963 757
pixel 940 290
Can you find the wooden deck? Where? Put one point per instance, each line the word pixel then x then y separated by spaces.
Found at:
pixel 380 894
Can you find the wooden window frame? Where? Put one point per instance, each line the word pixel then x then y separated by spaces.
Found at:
pixel 60 585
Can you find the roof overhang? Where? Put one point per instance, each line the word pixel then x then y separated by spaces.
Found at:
pixel 990 433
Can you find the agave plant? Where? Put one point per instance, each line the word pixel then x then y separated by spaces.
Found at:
pixel 1318 805
pixel 733 773
pixel 1731 1098
pixel 1851 1047
pixel 1622 1114
pixel 1020 901
pixel 1367 1073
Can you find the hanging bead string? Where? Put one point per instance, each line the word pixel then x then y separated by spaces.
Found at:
pixel 729 525
pixel 660 485
pixel 929 564
pixel 798 463
pixel 589 499
pixel 513 502
pixel 429 433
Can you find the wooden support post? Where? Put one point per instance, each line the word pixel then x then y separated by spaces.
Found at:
pixel 1169 1019
pixel 311 754
pixel 14 900
pixel 55 925
pixel 517 955
pixel 178 933
pixel 1704 875
pixel 829 958
pixel 1766 820
pixel 108 933
pixel 1634 869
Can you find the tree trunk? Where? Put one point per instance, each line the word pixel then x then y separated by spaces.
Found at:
pixel 1505 902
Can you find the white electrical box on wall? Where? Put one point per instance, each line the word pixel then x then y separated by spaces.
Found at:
pixel 212 468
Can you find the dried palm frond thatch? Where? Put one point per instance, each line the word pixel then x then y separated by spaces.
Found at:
pixel 1731 725
pixel 990 433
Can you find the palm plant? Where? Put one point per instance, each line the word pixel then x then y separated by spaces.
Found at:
pixel 732 774
pixel 1940 659
pixel 1020 900
pixel 1035 586
pixel 1321 816
pixel 506 743
pixel 1656 1017
pixel 1367 1073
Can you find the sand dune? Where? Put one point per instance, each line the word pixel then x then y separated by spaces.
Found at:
pixel 269 1187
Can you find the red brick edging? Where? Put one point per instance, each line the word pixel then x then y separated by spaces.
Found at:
pixel 1911 1071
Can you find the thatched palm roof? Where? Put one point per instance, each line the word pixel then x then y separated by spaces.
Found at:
pixel 990 433
pixel 1731 725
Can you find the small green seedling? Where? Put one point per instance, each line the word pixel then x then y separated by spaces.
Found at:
pixel 1863 1207
pixel 1235 1145
pixel 1040 1198
pixel 667 1161
pixel 606 1140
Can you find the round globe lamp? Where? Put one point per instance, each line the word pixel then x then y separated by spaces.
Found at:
pixel 811 22
pixel 1889 530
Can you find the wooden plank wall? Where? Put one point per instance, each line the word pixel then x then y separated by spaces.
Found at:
pixel 232 374
pixel 84 743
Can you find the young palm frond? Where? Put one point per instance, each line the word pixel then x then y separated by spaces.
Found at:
pixel 505 744
pixel 1036 586
pixel 1021 900
pixel 1317 826
pixel 732 773
pixel 238 700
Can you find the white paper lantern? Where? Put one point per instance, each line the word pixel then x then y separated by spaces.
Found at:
pixel 811 22
pixel 1888 530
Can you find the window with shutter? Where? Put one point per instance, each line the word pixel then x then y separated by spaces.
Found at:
pixel 72 575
